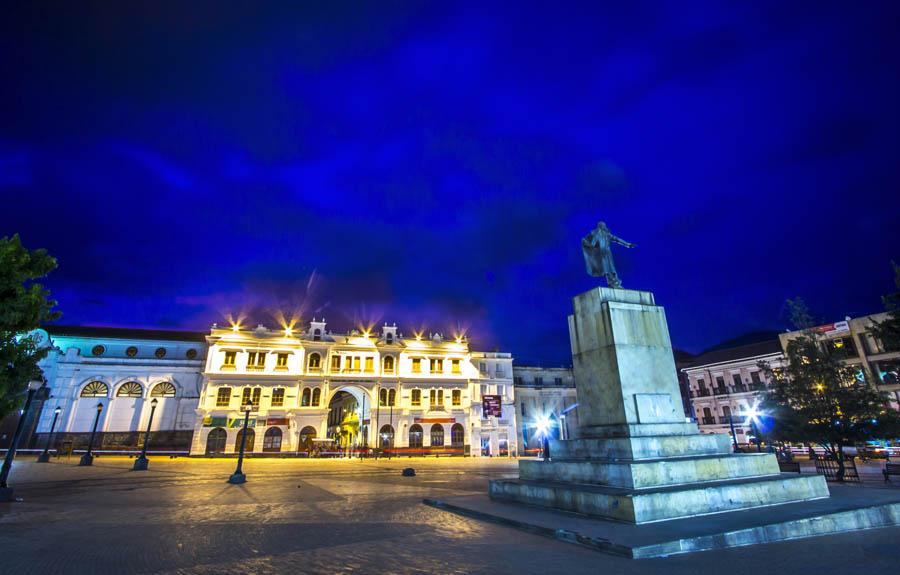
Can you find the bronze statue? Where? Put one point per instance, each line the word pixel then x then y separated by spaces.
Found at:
pixel 597 249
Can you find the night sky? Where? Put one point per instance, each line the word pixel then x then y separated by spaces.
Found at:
pixel 436 164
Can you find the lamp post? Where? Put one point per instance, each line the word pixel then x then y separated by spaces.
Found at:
pixel 733 436
pixel 238 475
pixel 88 457
pixel 6 492
pixel 140 464
pixel 44 457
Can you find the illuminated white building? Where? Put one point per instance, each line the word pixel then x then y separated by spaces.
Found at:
pixel 412 394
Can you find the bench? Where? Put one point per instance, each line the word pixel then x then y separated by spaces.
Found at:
pixel 789 467
pixel 890 469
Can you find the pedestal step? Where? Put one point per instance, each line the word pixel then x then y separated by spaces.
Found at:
pixel 649 473
pixel 644 447
pixel 661 503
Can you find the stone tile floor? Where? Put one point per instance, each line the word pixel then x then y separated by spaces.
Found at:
pixel 328 516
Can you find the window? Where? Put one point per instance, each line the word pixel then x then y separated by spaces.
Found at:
pixel 456 397
pixel 499 370
pixel 392 397
pixel 437 435
pixel 382 397
pixel 484 389
pixel 457 433
pixel 736 379
pixel 557 381
pixel 251 395
pixel 305 398
pixel 754 377
pixel 317 334
pixel 517 380
pixel 415 435
pixel 701 382
pixel 386 436
pixel 278 397
pixel 230 359
pixel 98 350
pixel 523 409
pixel 370 365
pixel 416 397
pixel 437 366
pixel 482 367
pixel 389 364
pixel 389 338
pixel 416 365
pixel 215 441
pixel 501 390
pixel 316 396
pixel 165 389
pixel 251 439
pixel 454 366
pixel 130 389
pixel 436 397
pixel 191 354
pixel 95 389
pixel 272 440
pixel 315 361
pixel 282 361
pixel 256 360
pixel 335 363
pixel 539 381
pixel 160 352
pixel 223 397
pixel 131 351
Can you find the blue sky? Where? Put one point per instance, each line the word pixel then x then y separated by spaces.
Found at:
pixel 436 164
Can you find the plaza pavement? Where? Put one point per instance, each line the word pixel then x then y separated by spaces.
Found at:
pixel 330 516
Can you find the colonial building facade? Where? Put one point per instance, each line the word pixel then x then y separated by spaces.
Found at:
pixel 412 395
pixel 546 403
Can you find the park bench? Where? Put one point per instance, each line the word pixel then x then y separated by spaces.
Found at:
pixel 789 467
pixel 890 469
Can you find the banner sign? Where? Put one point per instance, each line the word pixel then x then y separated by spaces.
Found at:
pixel 832 328
pixel 277 421
pixel 434 420
pixel 490 405
pixel 239 422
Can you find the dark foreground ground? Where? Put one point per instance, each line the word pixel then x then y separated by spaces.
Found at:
pixel 296 516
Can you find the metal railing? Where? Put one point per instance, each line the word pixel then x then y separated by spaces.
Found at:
pixel 709 421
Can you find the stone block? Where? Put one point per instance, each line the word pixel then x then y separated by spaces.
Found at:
pixel 641 447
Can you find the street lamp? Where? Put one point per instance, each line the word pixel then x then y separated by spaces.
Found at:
pixel 238 475
pixel 44 457
pixel 753 415
pixel 6 492
pixel 543 428
pixel 88 457
pixel 140 464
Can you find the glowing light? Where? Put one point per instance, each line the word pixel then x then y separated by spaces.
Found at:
pixel 235 326
pixel 543 425
pixel 288 331
pixel 754 413
pixel 820 387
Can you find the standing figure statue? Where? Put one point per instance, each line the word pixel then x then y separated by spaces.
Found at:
pixel 597 249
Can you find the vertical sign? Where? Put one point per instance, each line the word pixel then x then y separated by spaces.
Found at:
pixel 490 405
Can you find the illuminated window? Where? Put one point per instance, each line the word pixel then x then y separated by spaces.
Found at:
pixel 457 433
pixel 165 389
pixel 251 395
pixel 416 397
pixel 437 435
pixel 278 397
pixel 416 365
pixel 316 396
pixel 436 397
pixel 454 365
pixel 315 361
pixel 305 398
pixel 230 359
pixel 223 397
pixel 392 397
pixel 382 397
pixel 456 397
pixel 256 360
pixel 95 389
pixel 389 364
pixel 272 440
pixel 370 365
pixel 335 363
pixel 130 389
pixel 282 360
pixel 415 435
pixel 437 366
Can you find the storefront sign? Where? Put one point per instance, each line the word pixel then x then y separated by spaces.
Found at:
pixel 434 419
pixel 832 328
pixel 490 405
pixel 277 421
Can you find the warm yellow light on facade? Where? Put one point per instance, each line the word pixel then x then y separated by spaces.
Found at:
pixel 235 326
pixel 288 331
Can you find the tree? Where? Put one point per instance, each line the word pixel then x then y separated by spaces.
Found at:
pixel 24 305
pixel 817 398
pixel 888 331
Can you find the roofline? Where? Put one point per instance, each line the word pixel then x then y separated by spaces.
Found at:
pixel 698 366
pixel 124 333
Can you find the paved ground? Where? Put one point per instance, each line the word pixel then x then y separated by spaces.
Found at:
pixel 296 516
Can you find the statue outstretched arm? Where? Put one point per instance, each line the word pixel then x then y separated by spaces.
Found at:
pixel 620 241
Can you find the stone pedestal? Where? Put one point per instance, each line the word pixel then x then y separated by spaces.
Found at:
pixel 637 458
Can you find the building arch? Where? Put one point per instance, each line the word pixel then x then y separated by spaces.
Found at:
pixel 388 364
pixel 215 441
pixel 251 439
pixel 457 435
pixel 437 435
pixel 315 361
pixel 386 437
pixel 316 396
pixel 415 435
pixel 307 434
pixel 131 389
pixel 306 397
pixel 164 389
pixel 272 440
pixel 94 388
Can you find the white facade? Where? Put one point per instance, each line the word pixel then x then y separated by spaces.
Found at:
pixel 424 391
pixel 544 397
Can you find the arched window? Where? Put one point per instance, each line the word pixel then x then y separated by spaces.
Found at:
pixel 317 334
pixel 315 361
pixel 304 401
pixel 272 440
pixel 251 439
pixel 95 389
pixel 316 396
pixel 392 397
pixel 164 389
pixel 457 433
pixel 383 397
pixel 215 441
pixel 389 364
pixel 307 434
pixel 415 435
pixel 389 338
pixel 386 437
pixel 437 435
pixel 130 389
